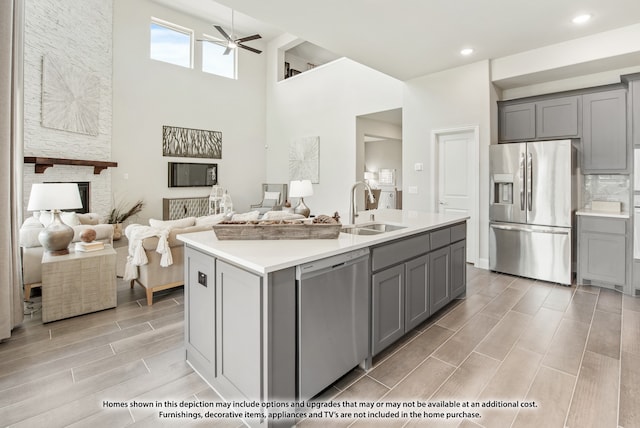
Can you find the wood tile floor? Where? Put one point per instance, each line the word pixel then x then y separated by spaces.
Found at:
pixel 575 352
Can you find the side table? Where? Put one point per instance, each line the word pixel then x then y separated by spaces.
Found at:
pixel 78 283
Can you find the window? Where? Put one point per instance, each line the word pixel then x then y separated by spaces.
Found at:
pixel 171 43
pixel 215 62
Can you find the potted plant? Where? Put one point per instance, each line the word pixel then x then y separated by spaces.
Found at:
pixel 119 214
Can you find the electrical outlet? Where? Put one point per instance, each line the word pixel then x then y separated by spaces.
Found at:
pixel 413 190
pixel 418 166
pixel 125 175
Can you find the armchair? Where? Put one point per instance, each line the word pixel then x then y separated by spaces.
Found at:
pixel 273 198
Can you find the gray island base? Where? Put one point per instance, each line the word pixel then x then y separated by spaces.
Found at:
pixel 260 315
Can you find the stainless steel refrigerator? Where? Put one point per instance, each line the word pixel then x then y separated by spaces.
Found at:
pixel 532 209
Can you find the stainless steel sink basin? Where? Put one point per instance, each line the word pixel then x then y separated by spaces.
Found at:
pixel 370 228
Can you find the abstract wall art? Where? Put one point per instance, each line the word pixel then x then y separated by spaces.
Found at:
pixel 70 98
pixel 191 143
pixel 304 159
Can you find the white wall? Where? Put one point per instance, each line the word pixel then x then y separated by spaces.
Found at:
pixel 450 99
pixel 324 102
pixel 75 33
pixel 149 94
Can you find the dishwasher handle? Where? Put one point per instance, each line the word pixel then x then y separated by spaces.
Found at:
pixel 318 267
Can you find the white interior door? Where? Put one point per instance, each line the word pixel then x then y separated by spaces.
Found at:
pixel 457 175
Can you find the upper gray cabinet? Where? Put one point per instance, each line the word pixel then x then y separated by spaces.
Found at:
pixel 635 112
pixel 540 120
pixel 604 133
pixel 517 122
pixel 558 118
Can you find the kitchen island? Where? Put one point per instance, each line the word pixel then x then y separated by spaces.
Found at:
pixel 244 312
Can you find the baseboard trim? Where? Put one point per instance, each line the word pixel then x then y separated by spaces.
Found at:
pixel 482 264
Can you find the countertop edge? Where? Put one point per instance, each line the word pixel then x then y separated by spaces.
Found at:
pixel 203 241
pixel 592 213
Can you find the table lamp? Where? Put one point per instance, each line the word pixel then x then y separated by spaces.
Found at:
pixel 300 189
pixel 56 237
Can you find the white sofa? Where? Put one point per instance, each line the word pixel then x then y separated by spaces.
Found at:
pixel 148 269
pixel 32 250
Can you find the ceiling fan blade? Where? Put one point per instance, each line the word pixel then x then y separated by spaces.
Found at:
pixel 215 42
pixel 224 33
pixel 226 51
pixel 246 39
pixel 250 48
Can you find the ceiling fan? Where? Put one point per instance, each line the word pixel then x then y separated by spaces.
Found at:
pixel 231 43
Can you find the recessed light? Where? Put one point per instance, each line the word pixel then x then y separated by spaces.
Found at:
pixel 581 19
pixel 466 51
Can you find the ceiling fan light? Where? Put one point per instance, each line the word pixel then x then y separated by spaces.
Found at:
pixel 232 45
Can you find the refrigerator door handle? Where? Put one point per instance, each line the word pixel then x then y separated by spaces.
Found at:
pixel 529 181
pixel 521 181
pixel 530 230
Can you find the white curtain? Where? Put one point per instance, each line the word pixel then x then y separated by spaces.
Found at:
pixel 11 153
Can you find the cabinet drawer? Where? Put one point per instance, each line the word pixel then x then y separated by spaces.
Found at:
pixel 399 251
pixel 603 225
pixel 458 232
pixel 440 238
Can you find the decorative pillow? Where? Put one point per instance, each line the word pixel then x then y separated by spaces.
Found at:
pixel 269 202
pixel 89 218
pixel 29 237
pixel 251 215
pixel 69 218
pixel 281 215
pixel 271 195
pixel 32 223
pixel 210 220
pixel 170 224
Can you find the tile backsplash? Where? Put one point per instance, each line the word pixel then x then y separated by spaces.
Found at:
pixel 606 188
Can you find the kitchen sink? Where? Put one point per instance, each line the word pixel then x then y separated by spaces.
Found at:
pixel 370 228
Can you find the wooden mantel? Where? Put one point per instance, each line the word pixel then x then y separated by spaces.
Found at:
pixel 43 163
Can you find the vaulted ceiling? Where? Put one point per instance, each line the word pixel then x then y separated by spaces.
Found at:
pixel 411 38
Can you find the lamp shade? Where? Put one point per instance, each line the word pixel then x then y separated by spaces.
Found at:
pixel 300 188
pixel 49 196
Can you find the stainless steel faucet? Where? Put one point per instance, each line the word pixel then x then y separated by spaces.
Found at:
pixel 353 210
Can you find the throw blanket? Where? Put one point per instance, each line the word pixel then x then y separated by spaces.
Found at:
pixel 135 233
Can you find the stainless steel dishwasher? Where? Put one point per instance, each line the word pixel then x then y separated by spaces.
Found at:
pixel 332 319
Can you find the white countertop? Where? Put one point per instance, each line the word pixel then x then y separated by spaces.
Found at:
pixel 596 213
pixel 264 256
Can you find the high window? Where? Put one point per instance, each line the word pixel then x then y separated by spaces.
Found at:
pixel 214 61
pixel 171 43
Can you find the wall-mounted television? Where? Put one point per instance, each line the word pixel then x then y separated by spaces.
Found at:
pixel 182 174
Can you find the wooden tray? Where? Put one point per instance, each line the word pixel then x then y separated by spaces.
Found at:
pixel 276 231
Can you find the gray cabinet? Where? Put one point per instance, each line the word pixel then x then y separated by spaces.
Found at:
pixel 439 278
pixel 540 120
pixel 388 307
pixel 557 118
pixel 223 325
pixel 199 301
pixel 413 278
pixel 238 331
pixel 458 278
pixel 447 266
pixel 602 251
pixel 635 111
pixel 604 133
pixel 517 122
pixel 416 292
